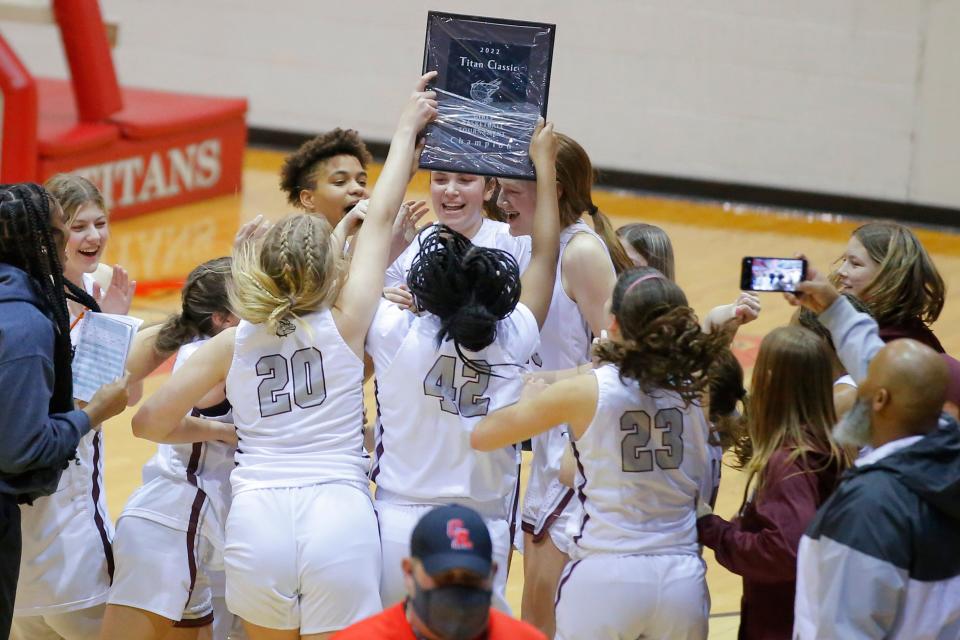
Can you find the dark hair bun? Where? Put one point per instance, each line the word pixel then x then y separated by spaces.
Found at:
pixel 472 326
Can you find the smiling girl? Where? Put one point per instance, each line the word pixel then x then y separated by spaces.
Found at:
pixel 88 226
pixel 459 200
pixel 886 266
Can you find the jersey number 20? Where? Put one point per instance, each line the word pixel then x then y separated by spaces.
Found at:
pixel 637 457
pixel 440 383
pixel 309 387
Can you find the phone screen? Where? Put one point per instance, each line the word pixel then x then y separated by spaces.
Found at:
pixel 772 274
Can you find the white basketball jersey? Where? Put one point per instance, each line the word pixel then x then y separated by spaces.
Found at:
pixel 67 559
pixel 565 341
pixel 642 464
pixel 429 402
pixel 297 404
pixel 492 234
pixel 173 477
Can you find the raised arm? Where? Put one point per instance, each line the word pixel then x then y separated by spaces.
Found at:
pixel 361 293
pixel 536 283
pixel 163 417
pixel 855 335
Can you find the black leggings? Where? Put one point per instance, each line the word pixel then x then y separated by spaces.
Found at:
pixel 10 545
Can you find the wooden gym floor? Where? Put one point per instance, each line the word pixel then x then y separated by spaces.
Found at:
pixel 709 240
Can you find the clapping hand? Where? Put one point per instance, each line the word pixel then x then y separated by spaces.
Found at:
pixel 119 295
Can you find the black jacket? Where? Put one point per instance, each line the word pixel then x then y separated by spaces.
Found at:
pixel 882 557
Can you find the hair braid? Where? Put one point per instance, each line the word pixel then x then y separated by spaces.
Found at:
pixel 29 210
pixel 271 279
pixel 79 295
pixel 310 254
pixel 286 305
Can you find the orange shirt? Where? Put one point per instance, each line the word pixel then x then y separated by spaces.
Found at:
pixel 392 624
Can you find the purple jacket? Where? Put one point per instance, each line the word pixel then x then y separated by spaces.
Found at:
pixel 761 543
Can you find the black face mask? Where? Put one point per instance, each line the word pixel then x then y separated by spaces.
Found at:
pixel 453 612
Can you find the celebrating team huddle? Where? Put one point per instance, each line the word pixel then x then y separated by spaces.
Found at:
pixel 511 319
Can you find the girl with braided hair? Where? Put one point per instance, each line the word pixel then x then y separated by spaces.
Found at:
pixel 439 372
pixel 640 441
pixel 301 552
pixel 66 600
pixel 173 525
pixel 41 427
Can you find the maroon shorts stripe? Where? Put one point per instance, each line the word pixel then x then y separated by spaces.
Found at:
pixel 378 451
pixel 581 494
pixel 563 581
pixel 195 622
pixel 97 518
pixel 516 507
pixel 195 509
pixel 538 536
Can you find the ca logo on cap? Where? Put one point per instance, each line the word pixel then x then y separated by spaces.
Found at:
pixel 458 534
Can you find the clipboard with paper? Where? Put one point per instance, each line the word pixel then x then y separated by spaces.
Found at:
pixel 101 348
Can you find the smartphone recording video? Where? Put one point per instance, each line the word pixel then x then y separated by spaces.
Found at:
pixel 772 274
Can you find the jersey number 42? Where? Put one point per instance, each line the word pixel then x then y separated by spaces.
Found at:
pixel 441 383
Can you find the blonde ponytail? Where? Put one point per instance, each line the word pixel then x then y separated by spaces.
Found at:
pixel 293 270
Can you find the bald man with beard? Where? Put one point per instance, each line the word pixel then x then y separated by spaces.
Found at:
pixel 882 557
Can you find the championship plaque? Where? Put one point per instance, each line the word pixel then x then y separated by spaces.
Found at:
pixel 493 79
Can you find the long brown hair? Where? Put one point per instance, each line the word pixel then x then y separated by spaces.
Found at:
pixel 651 242
pixel 661 344
pixel 204 294
pixel 791 403
pixel 907 286
pixel 576 177
pixel 728 400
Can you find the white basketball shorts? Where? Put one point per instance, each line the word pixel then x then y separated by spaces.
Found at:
pixel 162 570
pixel 608 596
pixel 304 558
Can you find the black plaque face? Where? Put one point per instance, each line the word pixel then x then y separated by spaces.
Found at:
pixel 492 84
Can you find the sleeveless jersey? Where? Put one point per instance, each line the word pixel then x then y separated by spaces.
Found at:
pixel 565 341
pixel 642 464
pixel 67 559
pixel 429 401
pixel 188 485
pixel 492 234
pixel 297 397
